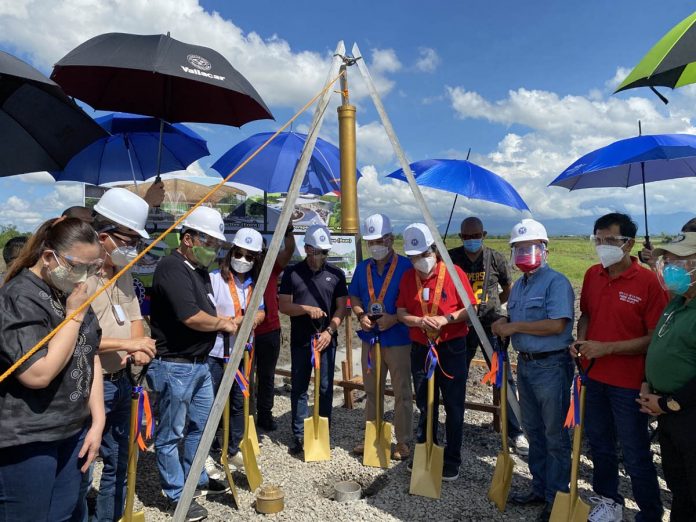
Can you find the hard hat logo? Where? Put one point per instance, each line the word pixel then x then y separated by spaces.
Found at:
pixel 371 230
pixel 222 227
pixel 414 242
pixel 248 240
pixel 322 238
pixel 522 230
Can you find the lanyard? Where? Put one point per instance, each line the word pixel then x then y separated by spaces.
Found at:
pixel 438 291
pixel 385 283
pixel 235 297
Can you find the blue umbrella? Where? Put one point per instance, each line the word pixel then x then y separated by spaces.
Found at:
pixel 465 178
pixel 271 171
pixel 130 152
pixel 633 161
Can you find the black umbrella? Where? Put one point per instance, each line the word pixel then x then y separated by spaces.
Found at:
pixel 159 76
pixel 41 127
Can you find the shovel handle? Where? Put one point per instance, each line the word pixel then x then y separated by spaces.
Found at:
pixel 429 415
pixel 317 383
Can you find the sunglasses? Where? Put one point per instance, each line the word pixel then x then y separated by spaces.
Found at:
pixel 129 241
pixel 238 255
pixel 471 236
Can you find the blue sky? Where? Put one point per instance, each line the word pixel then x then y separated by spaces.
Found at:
pixel 526 85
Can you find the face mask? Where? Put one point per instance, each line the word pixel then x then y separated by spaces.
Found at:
pixel 241 266
pixel 528 258
pixel 122 255
pixel 677 279
pixel 425 264
pixel 204 255
pixel 379 252
pixel 609 254
pixel 64 279
pixel 473 245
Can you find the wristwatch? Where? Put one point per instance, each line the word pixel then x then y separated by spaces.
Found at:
pixel 330 330
pixel 669 404
pixel 450 318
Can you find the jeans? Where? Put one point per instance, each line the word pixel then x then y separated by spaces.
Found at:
pixel 452 356
pixel 40 481
pixel 267 351
pixel 544 399
pixel 300 375
pixel 472 343
pixel 217 369
pixel 612 415
pixel 185 396
pixel 676 436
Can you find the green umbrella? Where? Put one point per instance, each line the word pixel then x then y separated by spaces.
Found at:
pixel 670 63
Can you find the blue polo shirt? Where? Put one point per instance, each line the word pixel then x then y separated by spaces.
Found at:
pixel 397 335
pixel 545 294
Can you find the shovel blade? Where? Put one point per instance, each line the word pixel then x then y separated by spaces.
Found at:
pixel 230 481
pixel 377 444
pixel 134 517
pixel 564 510
pixel 502 479
pixel 426 477
pixel 251 467
pixel 316 442
pixel 251 435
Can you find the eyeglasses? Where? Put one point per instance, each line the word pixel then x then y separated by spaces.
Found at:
pixel 609 240
pixel 76 265
pixel 238 255
pixel 206 240
pixel 126 240
pixel 666 325
pixel 479 235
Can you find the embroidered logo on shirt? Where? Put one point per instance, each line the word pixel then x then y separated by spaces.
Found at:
pixel 629 298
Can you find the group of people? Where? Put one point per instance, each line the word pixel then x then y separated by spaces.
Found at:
pixel 70 400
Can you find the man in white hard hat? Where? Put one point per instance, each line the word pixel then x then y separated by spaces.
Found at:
pixel 314 294
pixel 185 323
pixel 541 308
pixel 119 219
pixel 373 292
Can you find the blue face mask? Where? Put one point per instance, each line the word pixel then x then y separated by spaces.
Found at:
pixel 473 245
pixel 677 279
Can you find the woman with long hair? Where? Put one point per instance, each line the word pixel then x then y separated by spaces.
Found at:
pixel 52 406
pixel 232 288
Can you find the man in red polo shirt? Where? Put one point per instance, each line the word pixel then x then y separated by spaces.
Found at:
pixel 430 306
pixel 621 302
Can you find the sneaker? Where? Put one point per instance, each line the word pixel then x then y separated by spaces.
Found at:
pixel 605 510
pixel 296 447
pixel 409 466
pixel 450 474
pixel 401 451
pixel 195 512
pixel 214 487
pixel 236 462
pixel 359 449
pixel 521 444
pixel 212 468
pixel 267 423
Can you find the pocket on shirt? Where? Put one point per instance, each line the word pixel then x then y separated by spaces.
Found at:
pixel 535 309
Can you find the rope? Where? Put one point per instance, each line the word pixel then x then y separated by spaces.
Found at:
pixel 111 281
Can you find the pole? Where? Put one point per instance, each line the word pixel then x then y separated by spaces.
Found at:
pixel 454 204
pixel 645 199
pixel 247 323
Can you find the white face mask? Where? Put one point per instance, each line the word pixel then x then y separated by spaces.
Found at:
pixel 122 255
pixel 609 254
pixel 379 252
pixel 425 264
pixel 241 265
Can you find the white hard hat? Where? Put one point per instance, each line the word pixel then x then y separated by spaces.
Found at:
pixel 318 236
pixel 124 208
pixel 376 227
pixel 206 220
pixel 528 230
pixel 417 239
pixel 249 239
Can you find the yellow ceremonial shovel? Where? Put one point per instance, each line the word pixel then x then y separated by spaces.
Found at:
pixel 224 460
pixel 378 433
pixel 249 421
pixel 428 459
pixel 502 476
pixel 246 446
pixel 316 429
pixel 569 507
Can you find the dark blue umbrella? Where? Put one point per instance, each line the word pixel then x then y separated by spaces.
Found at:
pixel 633 161
pixel 130 152
pixel 465 178
pixel 271 170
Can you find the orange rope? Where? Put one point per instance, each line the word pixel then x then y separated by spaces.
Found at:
pixel 111 281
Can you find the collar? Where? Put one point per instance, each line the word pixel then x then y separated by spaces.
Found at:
pixel 527 278
pixel 244 284
pixel 185 260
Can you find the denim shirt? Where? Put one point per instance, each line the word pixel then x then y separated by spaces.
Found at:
pixel 545 294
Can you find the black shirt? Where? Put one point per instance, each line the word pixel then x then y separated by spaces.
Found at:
pixel 319 289
pixel 179 291
pixel 29 310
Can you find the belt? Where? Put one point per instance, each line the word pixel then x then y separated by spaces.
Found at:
pixel 183 359
pixel 530 356
pixel 114 376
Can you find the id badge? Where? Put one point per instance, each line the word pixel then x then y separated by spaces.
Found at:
pixel 426 294
pixel 119 314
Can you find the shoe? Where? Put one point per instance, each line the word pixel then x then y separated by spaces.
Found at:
pixel 409 466
pixel 401 451
pixel 267 423
pixel 359 449
pixel 528 498
pixel 605 510
pixel 212 468
pixel 545 513
pixel 214 487
pixel 236 461
pixel 450 474
pixel 195 511
pixel 296 448
pixel 521 444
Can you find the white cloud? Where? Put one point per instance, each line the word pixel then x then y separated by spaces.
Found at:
pixel 428 61
pixel 374 146
pixel 385 60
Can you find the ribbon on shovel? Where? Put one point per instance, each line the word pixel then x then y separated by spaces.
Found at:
pixel 432 360
pixel 243 383
pixel 249 347
pixel 315 355
pixel 373 340
pixel 144 411
pixel 573 416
